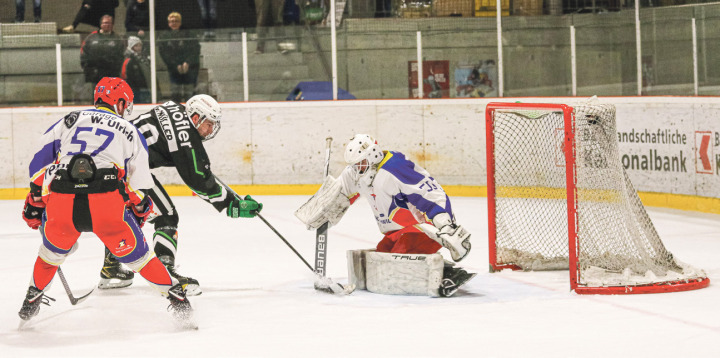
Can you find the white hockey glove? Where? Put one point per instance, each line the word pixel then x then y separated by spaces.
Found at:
pixel 327 205
pixel 451 236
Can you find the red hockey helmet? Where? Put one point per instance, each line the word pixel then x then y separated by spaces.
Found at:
pixel 110 90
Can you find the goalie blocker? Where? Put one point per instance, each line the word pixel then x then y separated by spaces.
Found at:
pixel 404 274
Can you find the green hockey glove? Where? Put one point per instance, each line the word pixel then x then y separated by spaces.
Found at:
pixel 247 208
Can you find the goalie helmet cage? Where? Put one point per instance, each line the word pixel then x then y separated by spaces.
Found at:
pixel 559 198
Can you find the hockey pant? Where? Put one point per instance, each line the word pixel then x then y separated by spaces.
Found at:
pixel 165 223
pixel 408 240
pixel 105 214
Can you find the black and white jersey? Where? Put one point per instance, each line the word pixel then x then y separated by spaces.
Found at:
pixel 173 141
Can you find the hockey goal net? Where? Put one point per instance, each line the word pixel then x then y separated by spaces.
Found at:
pixel 559 198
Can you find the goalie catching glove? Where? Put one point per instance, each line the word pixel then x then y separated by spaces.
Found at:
pixel 33 211
pixel 448 234
pixel 243 208
pixel 327 205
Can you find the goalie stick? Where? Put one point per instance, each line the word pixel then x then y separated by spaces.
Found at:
pixel 70 295
pixel 321 233
pixel 332 287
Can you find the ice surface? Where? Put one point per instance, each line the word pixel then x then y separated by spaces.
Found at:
pixel 259 301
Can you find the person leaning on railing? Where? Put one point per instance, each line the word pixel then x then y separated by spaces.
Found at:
pixel 137 18
pixel 101 54
pixel 136 70
pixel 91 12
pixel 181 53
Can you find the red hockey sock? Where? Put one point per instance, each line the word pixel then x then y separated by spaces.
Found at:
pixel 155 272
pixel 43 273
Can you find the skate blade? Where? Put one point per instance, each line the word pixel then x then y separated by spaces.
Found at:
pixel 110 283
pixel 193 290
pixel 24 324
pixel 186 324
pixel 185 320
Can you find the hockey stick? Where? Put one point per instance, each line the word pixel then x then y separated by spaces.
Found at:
pixel 321 233
pixel 333 287
pixel 72 298
pixel 285 241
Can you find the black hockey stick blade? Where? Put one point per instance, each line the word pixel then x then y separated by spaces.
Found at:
pixel 73 300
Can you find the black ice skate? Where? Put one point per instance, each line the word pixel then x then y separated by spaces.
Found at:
pixel 31 304
pixel 113 275
pixel 453 278
pixel 180 306
pixel 190 284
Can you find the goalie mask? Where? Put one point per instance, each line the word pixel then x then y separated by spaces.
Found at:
pixel 208 110
pixel 110 90
pixel 363 154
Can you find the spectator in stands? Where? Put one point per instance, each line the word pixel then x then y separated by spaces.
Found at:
pixel 181 53
pixel 270 14
pixel 101 54
pixel 136 70
pixel 91 11
pixel 383 8
pixel 208 13
pixel 20 10
pixel 137 19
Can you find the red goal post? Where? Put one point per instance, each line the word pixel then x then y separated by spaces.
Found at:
pixel 559 198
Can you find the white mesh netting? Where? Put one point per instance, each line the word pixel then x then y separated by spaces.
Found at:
pixel 617 242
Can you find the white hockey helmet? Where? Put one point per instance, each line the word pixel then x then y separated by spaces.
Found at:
pixel 363 154
pixel 208 109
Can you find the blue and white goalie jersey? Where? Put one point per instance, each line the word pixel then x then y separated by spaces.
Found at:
pixel 402 193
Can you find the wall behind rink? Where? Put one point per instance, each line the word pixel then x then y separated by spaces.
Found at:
pixel 668 144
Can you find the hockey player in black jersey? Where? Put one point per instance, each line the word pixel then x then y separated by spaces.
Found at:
pixel 175 136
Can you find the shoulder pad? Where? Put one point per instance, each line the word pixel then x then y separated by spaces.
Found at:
pixel 71 118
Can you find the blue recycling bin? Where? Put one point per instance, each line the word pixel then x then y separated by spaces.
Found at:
pixel 316 91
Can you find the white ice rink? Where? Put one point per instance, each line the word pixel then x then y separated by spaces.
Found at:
pixel 258 298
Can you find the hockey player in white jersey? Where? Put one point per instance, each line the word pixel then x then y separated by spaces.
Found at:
pixel 411 209
pixel 90 175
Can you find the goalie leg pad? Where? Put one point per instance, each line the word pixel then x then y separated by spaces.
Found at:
pixel 356 268
pixel 403 274
pixel 327 205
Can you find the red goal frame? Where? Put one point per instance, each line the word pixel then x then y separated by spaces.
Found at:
pixel 569 151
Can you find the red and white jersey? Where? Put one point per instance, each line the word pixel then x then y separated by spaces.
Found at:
pixel 112 142
pixel 401 194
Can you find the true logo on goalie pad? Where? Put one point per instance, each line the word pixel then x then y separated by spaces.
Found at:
pixel 409 257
